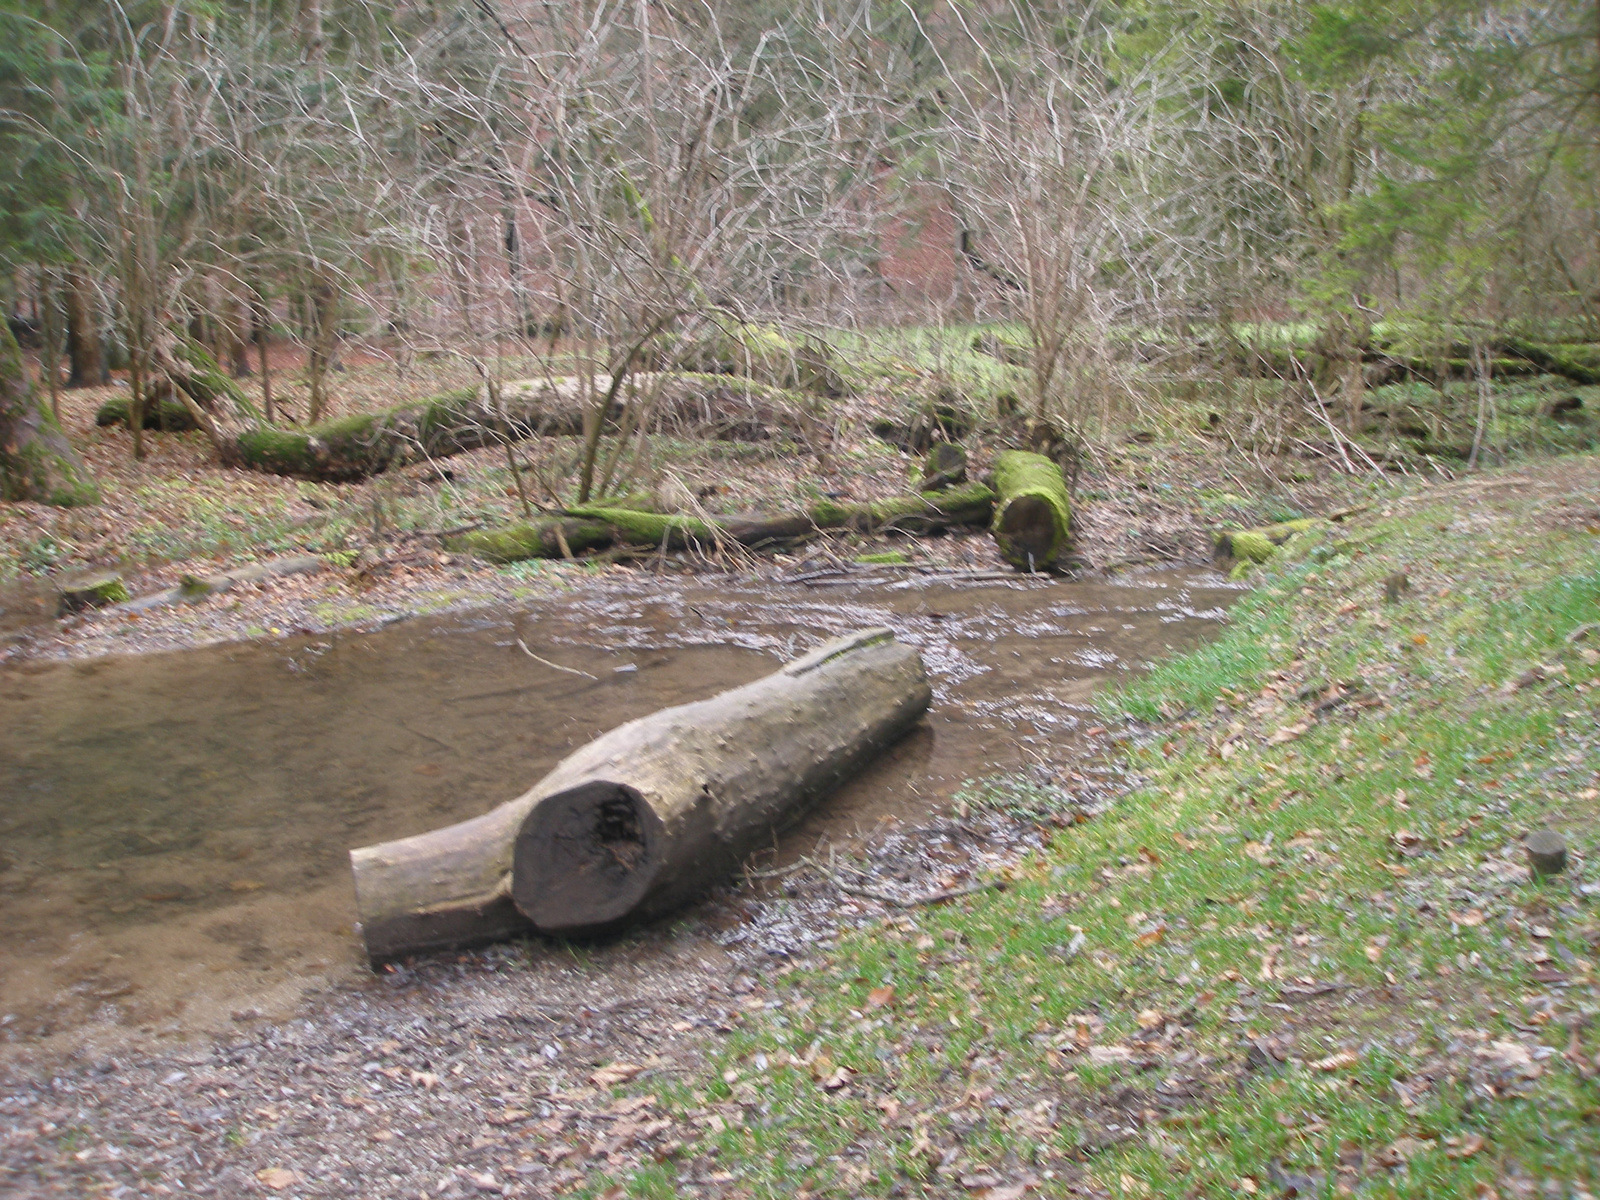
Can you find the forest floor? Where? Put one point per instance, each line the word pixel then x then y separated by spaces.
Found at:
pixel 1300 954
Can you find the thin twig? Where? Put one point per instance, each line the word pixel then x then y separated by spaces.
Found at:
pixel 938 897
pixel 551 665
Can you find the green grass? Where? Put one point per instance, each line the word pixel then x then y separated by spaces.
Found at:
pixel 1344 889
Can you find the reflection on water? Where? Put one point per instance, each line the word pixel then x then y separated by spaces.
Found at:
pixel 174 827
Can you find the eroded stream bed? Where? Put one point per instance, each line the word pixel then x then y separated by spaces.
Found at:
pixel 174 827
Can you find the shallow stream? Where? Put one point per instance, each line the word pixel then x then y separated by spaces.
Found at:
pixel 174 827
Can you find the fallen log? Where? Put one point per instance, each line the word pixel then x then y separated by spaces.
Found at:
pixel 646 816
pixel 599 525
pixel 1033 518
pixel 1237 550
pixel 365 444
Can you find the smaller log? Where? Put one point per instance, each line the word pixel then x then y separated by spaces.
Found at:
pixel 595 526
pixel 1033 519
pixel 535 539
pixel 160 413
pixel 1244 548
pixel 971 504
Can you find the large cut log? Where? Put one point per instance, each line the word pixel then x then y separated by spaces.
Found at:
pixel 1033 518
pixel 648 815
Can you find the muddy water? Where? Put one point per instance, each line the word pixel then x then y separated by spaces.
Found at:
pixel 174 827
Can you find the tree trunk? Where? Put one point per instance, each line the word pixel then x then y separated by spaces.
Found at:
pixel 649 815
pixel 36 461
pixel 84 346
pixel 1033 519
pixel 323 303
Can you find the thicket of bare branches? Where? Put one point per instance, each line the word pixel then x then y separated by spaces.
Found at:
pixel 611 187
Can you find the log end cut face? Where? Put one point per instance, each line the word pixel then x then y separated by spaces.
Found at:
pixel 585 858
pixel 1029 531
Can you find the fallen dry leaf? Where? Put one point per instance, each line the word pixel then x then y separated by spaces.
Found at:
pixel 1470 919
pixel 1337 1061
pixel 615 1073
pixel 1468 1146
pixel 278 1178
pixel 1150 1019
pixel 1289 733
pixel 880 997
pixel 1103 1056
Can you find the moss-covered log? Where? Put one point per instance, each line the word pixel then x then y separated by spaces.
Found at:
pixel 1579 362
pixel 36 461
pixel 649 815
pixel 595 526
pixel 365 444
pixel 969 504
pixel 1240 549
pixel 1033 517
pixel 535 539
pixel 164 413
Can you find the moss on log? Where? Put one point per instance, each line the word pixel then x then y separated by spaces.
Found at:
pixel 636 528
pixel 969 504
pixel 364 444
pixel 95 590
pixel 1577 361
pixel 534 539
pixel 595 526
pixel 1241 549
pixel 162 414
pixel 1033 519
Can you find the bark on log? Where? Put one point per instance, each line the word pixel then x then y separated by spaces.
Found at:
pixel 1033 518
pixel 649 815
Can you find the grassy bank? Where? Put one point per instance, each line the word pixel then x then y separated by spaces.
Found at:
pixel 1304 956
